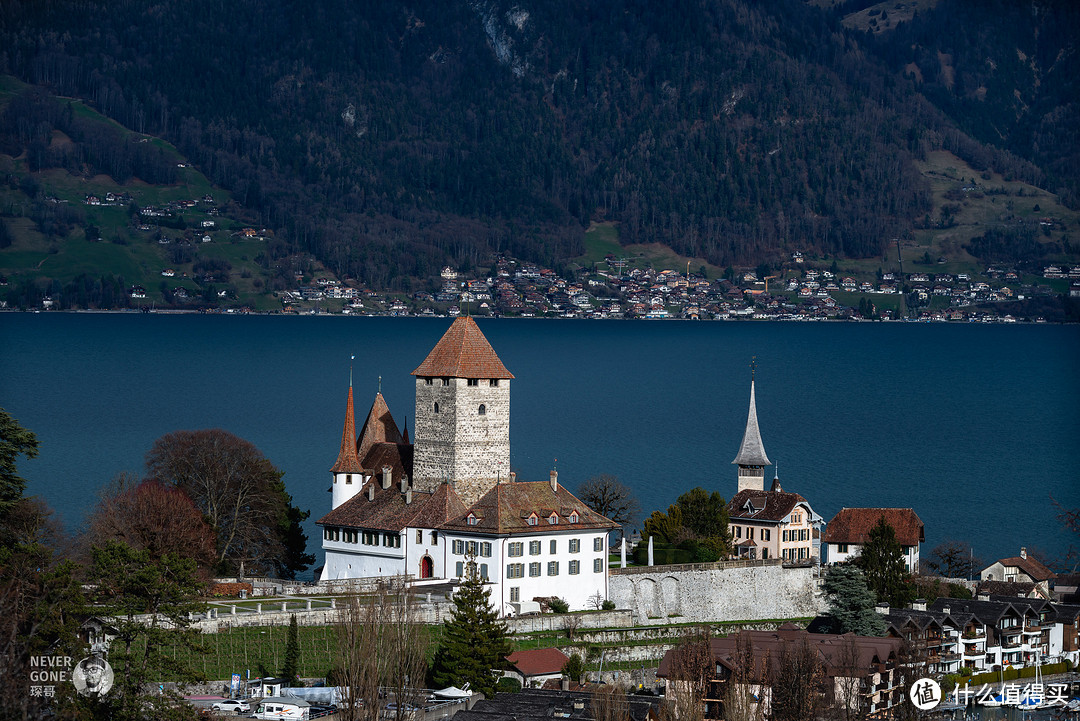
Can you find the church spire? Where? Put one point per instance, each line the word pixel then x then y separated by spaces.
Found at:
pixel 751 458
pixel 347 462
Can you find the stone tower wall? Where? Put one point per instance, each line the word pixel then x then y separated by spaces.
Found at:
pixel 459 443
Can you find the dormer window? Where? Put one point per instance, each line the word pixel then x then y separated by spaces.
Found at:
pixel 472 520
pixel 553 519
pixel 446 381
pixel 429 381
pixel 532 519
pixel 573 517
pixel 493 382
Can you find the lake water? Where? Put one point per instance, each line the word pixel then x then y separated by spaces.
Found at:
pixel 976 427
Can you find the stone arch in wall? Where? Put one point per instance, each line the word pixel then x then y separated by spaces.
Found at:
pixel 649 599
pixel 669 587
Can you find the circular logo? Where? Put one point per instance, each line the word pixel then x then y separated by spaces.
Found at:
pixel 93 676
pixel 925 694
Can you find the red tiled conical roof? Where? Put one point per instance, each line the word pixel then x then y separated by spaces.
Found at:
pixel 347 461
pixel 463 352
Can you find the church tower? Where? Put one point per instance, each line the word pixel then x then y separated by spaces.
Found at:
pixel 461 429
pixel 752 459
pixel 348 475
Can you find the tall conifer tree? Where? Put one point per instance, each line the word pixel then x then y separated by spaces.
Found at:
pixel 882 560
pixel 474 641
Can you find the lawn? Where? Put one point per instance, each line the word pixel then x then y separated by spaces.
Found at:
pixel 602 239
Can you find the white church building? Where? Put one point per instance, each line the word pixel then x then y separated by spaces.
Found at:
pixel 430 508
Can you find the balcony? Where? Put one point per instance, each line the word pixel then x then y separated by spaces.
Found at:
pixel 969 635
pixel 1033 629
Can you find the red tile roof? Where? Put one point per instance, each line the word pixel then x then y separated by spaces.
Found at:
pixel 852 525
pixel 1033 568
pixel 347 462
pixel 538 661
pixel 505 509
pixel 378 428
pixel 463 352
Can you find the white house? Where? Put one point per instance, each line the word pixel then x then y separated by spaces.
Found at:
pixel 435 508
pixel 849 529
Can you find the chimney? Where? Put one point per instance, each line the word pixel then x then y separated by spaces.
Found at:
pixel 565 683
pixel 371 491
pixel 404 482
pixel 919 604
pixel 554 480
pixel 408 496
pixel 1023 552
pixel 882 608
pixel 386 476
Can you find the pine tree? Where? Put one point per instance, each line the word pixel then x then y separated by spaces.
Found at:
pixel 882 560
pixel 291 662
pixel 474 641
pixel 851 603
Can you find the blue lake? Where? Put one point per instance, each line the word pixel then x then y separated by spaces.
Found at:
pixel 976 427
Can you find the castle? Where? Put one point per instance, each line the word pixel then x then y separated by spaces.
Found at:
pixel 447 504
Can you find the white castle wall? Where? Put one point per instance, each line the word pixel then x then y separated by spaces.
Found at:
pixel 710 592
pixel 459 443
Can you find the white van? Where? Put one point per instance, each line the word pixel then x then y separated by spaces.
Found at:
pixel 282 707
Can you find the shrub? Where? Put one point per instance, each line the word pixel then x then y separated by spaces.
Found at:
pixel 608 605
pixel 574 667
pixel 508 684
pixel 558 605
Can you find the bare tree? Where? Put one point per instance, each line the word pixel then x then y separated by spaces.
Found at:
pixel 691 671
pixel 238 490
pixel 848 702
pixel 154 517
pixel 797 680
pixel 611 498
pixel 609 703
pixel 571 623
pixel 954 559
pixel 381 643
pixel 596 601
pixel 742 696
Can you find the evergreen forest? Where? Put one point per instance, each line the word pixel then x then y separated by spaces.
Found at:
pixel 388 139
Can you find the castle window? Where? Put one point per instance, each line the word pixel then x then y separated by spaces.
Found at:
pixel 841 548
pixel 534 570
pixel 598 565
pixel 494 382
pixel 553 519
pixel 436 407
pixel 474 381
pixel 515 549
pixel 554 546
pixel 485 550
pixel 446 381
pixel 434 538
pixel 598 543
pixel 428 381
pixel 764 554
pixel 553 568
pixel 482 410
pixel 459 569
pixel 471 548
pixel 765 534
pixel 575 568
pixel 419 536
pixel 534 548
pixel 575 545
pixel 515 594
pixel 348 478
pixel 483 571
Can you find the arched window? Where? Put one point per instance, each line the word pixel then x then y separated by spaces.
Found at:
pixel 436 407
pixel 482 410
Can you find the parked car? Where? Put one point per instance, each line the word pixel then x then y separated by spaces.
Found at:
pixel 236 705
pixel 320 710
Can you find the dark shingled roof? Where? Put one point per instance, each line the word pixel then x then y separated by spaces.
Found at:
pixel 347 461
pixel 1015 589
pixel 750 504
pixel 543 705
pixel 463 352
pixel 506 508
pixel 752 450
pixel 766 647
pixel 852 525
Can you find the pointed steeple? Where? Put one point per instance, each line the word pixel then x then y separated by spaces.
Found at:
pixel 347 462
pixel 752 450
pixel 379 427
pixel 405 431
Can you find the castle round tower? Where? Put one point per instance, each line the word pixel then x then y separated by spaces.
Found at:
pixel 462 420
pixel 348 475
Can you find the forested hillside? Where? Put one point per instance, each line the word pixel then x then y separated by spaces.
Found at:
pixel 388 139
